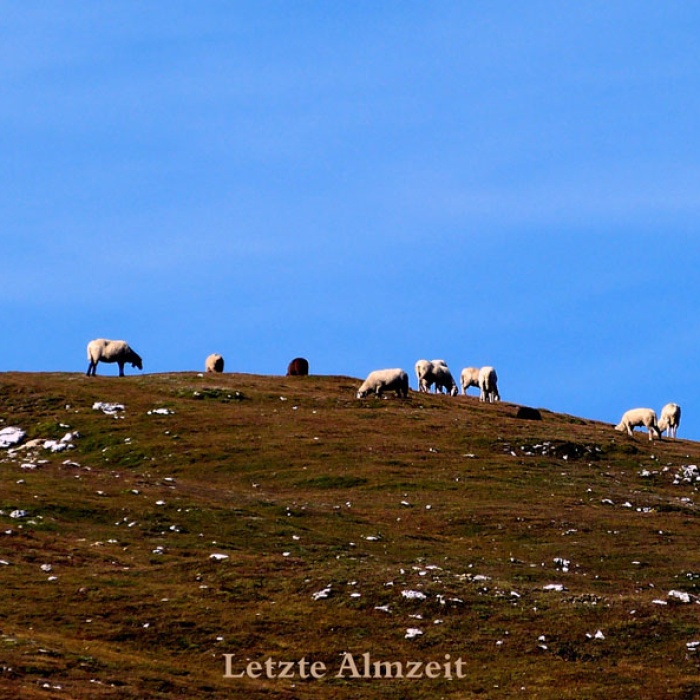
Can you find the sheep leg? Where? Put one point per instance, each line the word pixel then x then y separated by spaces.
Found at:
pixel 121 369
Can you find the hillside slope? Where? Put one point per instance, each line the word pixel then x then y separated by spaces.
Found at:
pixel 218 521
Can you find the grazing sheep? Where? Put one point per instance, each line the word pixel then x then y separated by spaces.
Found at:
pixel 214 363
pixel 423 369
pixel 435 373
pixel 443 379
pixel 298 367
pixel 469 377
pixel 670 419
pixel 636 417
pixel 101 350
pixel 381 380
pixel 488 385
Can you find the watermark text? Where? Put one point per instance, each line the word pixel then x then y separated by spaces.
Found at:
pixel 349 667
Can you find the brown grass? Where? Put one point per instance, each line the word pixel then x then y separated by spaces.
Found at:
pixel 305 488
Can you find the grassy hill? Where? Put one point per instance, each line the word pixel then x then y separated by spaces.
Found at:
pixel 218 521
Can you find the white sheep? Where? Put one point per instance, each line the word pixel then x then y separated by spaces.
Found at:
pixel 381 380
pixel 637 417
pixel 102 350
pixel 443 379
pixel 670 419
pixel 214 363
pixel 469 377
pixel 423 369
pixel 435 373
pixel 488 385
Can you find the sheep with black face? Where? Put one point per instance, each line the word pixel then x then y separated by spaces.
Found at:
pixel 103 350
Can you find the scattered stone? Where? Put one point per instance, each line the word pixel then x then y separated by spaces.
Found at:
pixel 11 436
pixel 680 596
pixel 527 413
pixel 110 409
pixel 322 594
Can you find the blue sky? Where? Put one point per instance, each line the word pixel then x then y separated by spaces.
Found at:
pixel 362 183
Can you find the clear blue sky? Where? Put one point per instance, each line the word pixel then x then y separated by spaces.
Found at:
pixel 362 183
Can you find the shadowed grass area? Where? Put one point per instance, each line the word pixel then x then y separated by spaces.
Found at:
pixel 280 518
